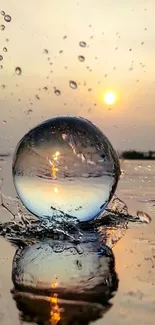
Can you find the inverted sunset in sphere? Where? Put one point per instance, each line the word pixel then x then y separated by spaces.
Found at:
pixel 65 166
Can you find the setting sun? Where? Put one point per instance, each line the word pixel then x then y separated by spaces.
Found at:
pixel 109 98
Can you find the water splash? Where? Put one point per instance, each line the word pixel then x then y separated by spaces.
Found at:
pixel 83 44
pixel 25 228
pixel 7 18
pixel 18 71
pixel 57 92
pixel 72 84
pixel 81 58
pixel 2 27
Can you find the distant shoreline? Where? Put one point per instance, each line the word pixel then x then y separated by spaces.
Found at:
pixel 147 158
pixel 137 155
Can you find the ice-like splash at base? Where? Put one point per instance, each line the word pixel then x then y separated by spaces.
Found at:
pixel 111 225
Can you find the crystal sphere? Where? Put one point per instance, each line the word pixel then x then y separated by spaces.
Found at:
pixel 65 165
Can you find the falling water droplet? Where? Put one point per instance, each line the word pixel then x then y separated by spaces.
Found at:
pixel 7 18
pixel 2 13
pixel 1 57
pixel 57 92
pixel 18 71
pixel 2 27
pixel 72 84
pixel 57 151
pixel 82 44
pixel 5 49
pixel 81 58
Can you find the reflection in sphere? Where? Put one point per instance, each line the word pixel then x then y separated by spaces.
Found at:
pixel 65 165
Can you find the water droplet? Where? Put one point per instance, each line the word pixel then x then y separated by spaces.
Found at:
pixel 2 27
pixel 72 84
pixel 4 121
pixel 1 67
pixel 7 40
pixel 130 50
pixel 42 180
pixel 45 51
pixel 1 57
pixel 18 71
pixel 142 43
pixel 2 13
pixel 57 92
pixel 7 18
pixel 37 97
pixel 29 111
pixel 83 44
pixel 5 49
pixel 65 36
pixel 61 51
pixel 81 58
pixel 41 265
pixel 3 86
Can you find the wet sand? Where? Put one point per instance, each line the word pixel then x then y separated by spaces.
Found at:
pixel 134 253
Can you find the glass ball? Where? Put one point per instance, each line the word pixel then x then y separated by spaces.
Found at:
pixel 65 164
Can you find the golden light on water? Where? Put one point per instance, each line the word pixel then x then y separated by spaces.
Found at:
pixel 55 310
pixel 53 164
pixel 56 155
pixel 110 97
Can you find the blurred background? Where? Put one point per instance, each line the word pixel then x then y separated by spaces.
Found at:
pixel 92 58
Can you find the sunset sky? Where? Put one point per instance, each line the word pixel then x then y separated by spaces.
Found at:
pixel 119 57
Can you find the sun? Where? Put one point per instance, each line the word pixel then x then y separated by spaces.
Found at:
pixel 109 97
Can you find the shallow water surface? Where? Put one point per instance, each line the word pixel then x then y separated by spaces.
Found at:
pixel 134 258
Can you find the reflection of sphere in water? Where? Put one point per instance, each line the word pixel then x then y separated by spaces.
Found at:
pixel 60 282
pixel 65 164
pixel 44 310
pixel 84 272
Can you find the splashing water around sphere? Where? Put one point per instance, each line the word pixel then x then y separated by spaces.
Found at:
pixel 7 18
pixel 2 27
pixel 65 166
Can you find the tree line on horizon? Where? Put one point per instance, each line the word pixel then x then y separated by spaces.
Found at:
pixel 133 154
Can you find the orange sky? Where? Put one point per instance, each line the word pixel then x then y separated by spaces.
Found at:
pixel 119 55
